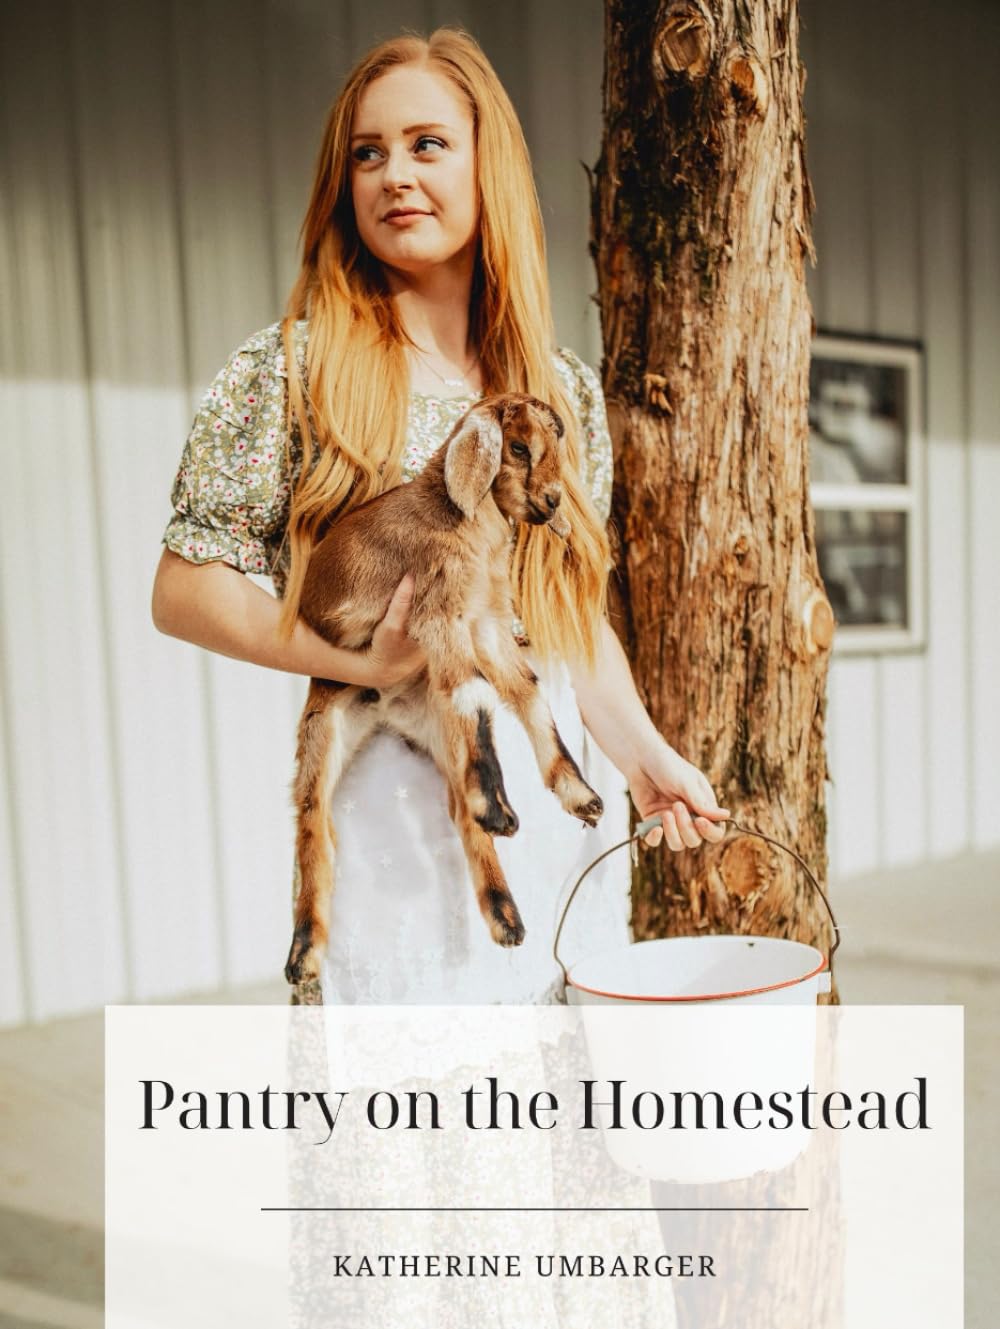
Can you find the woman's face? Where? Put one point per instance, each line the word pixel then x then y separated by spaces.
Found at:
pixel 413 171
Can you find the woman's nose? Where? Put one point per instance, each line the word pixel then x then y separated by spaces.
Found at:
pixel 398 173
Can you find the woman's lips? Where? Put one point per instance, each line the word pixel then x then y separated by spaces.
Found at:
pixel 403 218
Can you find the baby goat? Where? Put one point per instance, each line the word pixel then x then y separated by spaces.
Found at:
pixel 450 528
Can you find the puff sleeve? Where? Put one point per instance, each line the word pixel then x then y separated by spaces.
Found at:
pixel 232 491
pixel 595 437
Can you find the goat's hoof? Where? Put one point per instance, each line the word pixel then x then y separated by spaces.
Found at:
pixel 502 916
pixel 499 819
pixel 303 958
pixel 580 801
pixel 576 796
pixel 507 932
pixel 589 812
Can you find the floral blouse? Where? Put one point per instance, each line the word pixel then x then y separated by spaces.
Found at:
pixel 232 493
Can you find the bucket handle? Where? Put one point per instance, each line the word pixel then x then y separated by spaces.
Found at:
pixel 642 830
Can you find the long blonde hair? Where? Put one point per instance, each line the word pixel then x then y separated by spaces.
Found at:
pixel 352 416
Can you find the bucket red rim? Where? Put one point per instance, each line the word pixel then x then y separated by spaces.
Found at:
pixel 710 996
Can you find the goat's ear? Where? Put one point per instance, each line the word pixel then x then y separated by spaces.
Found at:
pixel 473 460
pixel 556 419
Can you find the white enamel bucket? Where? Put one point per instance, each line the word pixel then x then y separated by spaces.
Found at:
pixel 745 970
pixel 681 1015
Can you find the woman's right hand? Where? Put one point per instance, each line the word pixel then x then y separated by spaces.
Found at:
pixel 392 655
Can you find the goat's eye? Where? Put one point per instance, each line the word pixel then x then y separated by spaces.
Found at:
pixel 520 450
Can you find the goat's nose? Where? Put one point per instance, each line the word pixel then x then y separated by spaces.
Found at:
pixel 552 499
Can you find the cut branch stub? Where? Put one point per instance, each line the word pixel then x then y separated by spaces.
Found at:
pixel 748 82
pixel 684 41
pixel 657 392
pixel 745 867
pixel 817 617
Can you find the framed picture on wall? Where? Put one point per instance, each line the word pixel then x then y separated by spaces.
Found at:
pixel 866 472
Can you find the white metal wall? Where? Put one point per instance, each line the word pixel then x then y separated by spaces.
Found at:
pixel 155 160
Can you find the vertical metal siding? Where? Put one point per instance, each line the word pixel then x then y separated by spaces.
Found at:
pixel 55 641
pixel 981 106
pixel 155 162
pixel 894 220
pixel 942 282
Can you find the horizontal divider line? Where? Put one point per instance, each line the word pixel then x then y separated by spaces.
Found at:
pixel 530 1209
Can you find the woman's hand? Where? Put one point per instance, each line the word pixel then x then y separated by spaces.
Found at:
pixel 659 779
pixel 664 782
pixel 392 655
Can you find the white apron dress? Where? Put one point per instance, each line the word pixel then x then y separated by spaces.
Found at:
pixel 405 925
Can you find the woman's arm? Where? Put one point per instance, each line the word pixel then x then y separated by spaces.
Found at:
pixel 659 778
pixel 214 606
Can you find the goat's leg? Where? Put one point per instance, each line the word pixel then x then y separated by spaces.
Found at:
pixel 464 702
pixel 517 685
pixel 431 727
pixel 332 728
pixel 496 904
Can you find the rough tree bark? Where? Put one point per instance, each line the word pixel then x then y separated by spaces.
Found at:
pixel 701 230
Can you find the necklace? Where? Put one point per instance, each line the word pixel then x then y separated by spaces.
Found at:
pixel 449 382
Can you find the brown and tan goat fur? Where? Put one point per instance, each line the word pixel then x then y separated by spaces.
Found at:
pixel 451 528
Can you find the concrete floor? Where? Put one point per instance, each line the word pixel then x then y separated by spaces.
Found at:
pixel 925 935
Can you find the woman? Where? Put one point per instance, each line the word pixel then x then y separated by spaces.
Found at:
pixel 423 285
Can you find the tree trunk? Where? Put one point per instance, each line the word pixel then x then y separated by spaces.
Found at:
pixel 700 233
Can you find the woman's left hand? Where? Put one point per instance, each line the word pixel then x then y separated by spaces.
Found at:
pixel 664 782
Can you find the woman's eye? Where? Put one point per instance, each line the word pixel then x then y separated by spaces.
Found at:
pixel 426 142
pixel 519 450
pixel 366 152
